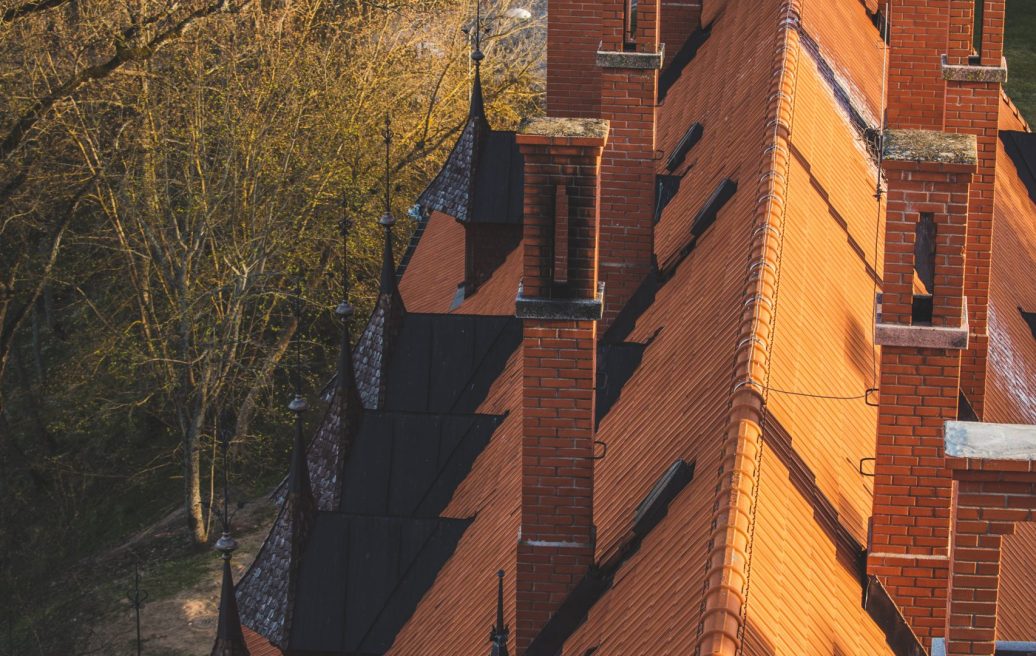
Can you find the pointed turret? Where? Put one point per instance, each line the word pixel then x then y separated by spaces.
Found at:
pixel 267 592
pixel 230 639
pixel 386 321
pixel 498 636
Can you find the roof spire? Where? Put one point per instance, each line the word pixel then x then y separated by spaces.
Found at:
pixel 478 104
pixel 498 636
pixel 230 639
pixel 346 377
pixel 298 477
pixel 388 266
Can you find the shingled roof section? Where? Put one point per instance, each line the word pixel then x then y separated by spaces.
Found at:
pixel 379 337
pixel 266 594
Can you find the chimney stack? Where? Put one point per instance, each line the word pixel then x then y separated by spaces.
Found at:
pixel 573 79
pixel 994 474
pixel 917 90
pixel 922 321
pixel 630 58
pixel 975 70
pixel 680 19
pixel 922 336
pixel 559 302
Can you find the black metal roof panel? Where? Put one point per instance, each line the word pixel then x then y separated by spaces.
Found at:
pixel 446 363
pixel 362 577
pixel 499 181
pixel 408 465
pixel 1021 146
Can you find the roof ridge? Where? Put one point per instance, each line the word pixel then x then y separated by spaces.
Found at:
pixel 725 594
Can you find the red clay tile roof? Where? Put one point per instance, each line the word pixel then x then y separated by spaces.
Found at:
pixel 1011 381
pixel 813 502
pixel 436 268
pixel 258 645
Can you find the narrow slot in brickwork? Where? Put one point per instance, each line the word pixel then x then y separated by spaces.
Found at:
pixel 561 235
pixel 924 269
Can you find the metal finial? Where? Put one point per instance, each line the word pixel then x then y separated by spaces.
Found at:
pixel 345 309
pixel 477 56
pixel 137 598
pixel 298 405
pixel 226 544
pixel 387 220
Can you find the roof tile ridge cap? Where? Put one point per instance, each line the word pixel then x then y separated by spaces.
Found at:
pixel 725 595
pixel 1006 97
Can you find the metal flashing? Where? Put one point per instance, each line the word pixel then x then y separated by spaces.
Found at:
pixel 560 309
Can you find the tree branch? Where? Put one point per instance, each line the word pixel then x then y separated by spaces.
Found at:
pixel 124 53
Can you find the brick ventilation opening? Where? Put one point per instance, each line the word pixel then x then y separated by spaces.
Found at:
pixel 924 269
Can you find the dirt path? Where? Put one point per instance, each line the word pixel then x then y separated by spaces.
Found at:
pixel 179 618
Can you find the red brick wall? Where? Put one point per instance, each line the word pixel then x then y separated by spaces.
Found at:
pixel 680 18
pixel 993 21
pixel 973 108
pixel 916 90
pixel 628 101
pixel 486 246
pixel 990 498
pixel 573 79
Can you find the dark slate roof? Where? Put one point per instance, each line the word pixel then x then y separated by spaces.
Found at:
pixel 265 594
pixel 362 577
pixel 482 179
pixel 407 465
pixel 445 363
pixel 377 339
pixel 1021 146
pixel 450 191
pixel 366 558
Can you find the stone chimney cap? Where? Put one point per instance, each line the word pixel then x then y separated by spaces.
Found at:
pixel 930 146
pixel 574 128
pixel 990 441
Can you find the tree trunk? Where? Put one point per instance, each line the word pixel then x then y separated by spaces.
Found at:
pixel 196 520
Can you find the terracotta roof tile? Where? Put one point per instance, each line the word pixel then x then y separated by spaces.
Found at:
pixel 436 268
pixel 258 645
pixel 1011 382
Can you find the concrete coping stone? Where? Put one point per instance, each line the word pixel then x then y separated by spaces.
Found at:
pixel 974 72
pixel 930 146
pixel 1003 648
pixel 634 60
pixel 566 131
pixel 554 309
pixel 941 337
pixel 979 440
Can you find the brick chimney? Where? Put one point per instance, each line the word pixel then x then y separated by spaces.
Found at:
pixel 922 336
pixel 573 79
pixel 917 90
pixel 680 19
pixel 560 302
pixel 975 70
pixel 994 474
pixel 630 59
